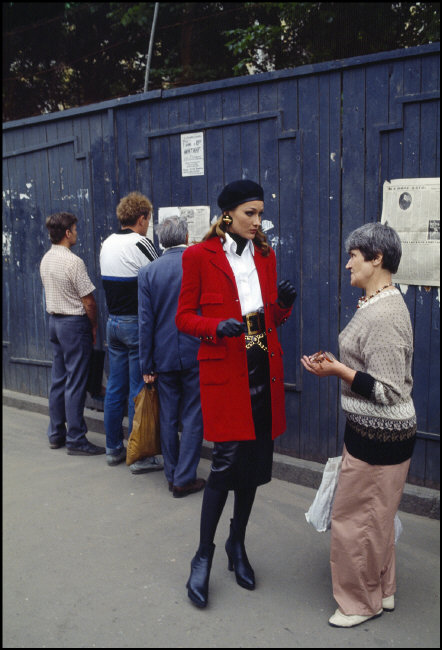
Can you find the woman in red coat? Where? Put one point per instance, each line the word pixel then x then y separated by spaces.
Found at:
pixel 230 300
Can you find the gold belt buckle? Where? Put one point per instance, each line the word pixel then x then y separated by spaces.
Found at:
pixel 250 329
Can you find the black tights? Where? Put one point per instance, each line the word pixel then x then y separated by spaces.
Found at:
pixel 212 508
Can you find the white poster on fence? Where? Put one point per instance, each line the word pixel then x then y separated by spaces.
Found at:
pixel 198 219
pixel 192 154
pixel 411 206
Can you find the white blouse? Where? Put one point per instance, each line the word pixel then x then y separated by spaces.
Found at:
pixel 246 275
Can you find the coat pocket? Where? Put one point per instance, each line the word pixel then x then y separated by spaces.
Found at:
pixel 212 305
pixel 211 299
pixel 212 362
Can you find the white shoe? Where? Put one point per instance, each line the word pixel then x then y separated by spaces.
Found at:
pixel 388 603
pixel 146 465
pixel 342 620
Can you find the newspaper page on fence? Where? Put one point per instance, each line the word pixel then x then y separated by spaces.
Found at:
pixel 198 219
pixel 411 206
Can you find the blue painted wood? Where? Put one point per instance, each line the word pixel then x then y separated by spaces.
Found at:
pixel 321 140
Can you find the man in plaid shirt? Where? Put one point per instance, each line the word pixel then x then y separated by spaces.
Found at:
pixel 72 331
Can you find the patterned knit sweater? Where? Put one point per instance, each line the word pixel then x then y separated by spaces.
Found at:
pixel 378 344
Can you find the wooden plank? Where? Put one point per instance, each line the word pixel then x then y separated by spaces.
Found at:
pixel 181 188
pixel 249 135
pixel 353 176
pixel 231 136
pixel 18 332
pixel 308 111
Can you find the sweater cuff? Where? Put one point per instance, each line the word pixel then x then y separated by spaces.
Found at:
pixel 363 384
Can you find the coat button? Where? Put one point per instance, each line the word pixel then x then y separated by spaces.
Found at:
pixel 273 378
pixel 269 330
pixel 272 354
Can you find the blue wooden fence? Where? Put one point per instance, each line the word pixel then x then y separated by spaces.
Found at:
pixel 321 140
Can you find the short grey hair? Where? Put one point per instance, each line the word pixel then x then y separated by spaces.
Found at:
pixel 374 238
pixel 172 231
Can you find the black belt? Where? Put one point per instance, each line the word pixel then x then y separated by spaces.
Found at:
pixel 255 322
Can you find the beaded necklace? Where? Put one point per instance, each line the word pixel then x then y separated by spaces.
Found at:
pixel 365 299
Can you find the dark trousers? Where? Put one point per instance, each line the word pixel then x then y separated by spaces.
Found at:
pixel 71 340
pixel 179 397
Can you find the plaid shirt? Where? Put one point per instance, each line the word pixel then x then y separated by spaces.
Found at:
pixel 65 281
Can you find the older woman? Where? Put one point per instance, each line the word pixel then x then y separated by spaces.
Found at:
pixel 376 349
pixel 230 300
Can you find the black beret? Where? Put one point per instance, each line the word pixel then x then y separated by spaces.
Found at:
pixel 239 192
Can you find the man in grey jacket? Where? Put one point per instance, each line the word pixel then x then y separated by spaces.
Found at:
pixel 171 356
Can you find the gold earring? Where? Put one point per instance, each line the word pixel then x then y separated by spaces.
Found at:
pixel 227 219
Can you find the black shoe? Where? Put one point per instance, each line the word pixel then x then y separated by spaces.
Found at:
pixel 198 583
pixel 87 449
pixel 56 444
pixel 238 560
pixel 192 487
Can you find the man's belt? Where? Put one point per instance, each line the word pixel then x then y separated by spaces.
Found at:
pixel 255 322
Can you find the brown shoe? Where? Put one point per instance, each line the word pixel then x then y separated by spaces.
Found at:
pixel 194 486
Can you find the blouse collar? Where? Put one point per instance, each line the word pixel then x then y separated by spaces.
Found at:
pixel 230 245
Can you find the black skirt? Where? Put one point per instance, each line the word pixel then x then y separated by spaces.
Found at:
pixel 248 463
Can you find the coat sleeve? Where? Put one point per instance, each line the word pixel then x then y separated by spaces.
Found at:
pixel 188 317
pixel 146 324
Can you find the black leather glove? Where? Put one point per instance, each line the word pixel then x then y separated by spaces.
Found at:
pixel 286 294
pixel 230 327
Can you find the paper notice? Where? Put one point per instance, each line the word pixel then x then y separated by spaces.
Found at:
pixel 198 219
pixel 411 206
pixel 192 154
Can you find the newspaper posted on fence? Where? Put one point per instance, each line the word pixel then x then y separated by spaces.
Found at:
pixel 411 206
pixel 198 219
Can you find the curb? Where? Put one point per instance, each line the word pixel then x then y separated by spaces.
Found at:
pixel 415 499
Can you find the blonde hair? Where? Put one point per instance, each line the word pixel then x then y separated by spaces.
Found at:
pixel 131 207
pixel 219 229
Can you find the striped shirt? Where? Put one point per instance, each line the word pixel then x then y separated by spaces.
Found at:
pixel 65 281
pixel 122 255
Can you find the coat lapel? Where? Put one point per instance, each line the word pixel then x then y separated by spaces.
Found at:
pixel 219 258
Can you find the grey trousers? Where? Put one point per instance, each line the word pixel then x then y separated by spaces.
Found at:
pixel 71 340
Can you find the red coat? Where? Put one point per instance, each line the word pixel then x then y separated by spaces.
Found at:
pixel 208 296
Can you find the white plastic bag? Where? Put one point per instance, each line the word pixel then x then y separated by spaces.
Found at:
pixel 319 513
pixel 398 528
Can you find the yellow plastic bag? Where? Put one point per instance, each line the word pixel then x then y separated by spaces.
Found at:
pixel 144 440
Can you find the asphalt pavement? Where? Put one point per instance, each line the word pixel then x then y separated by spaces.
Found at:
pixel 94 557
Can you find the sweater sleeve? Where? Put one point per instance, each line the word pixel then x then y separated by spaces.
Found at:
pixel 387 352
pixel 363 384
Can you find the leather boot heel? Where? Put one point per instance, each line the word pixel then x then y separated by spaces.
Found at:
pixel 198 583
pixel 239 562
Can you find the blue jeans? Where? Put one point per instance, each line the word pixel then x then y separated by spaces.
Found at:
pixel 125 379
pixel 71 340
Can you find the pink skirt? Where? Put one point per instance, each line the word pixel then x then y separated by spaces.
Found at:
pixel 362 553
